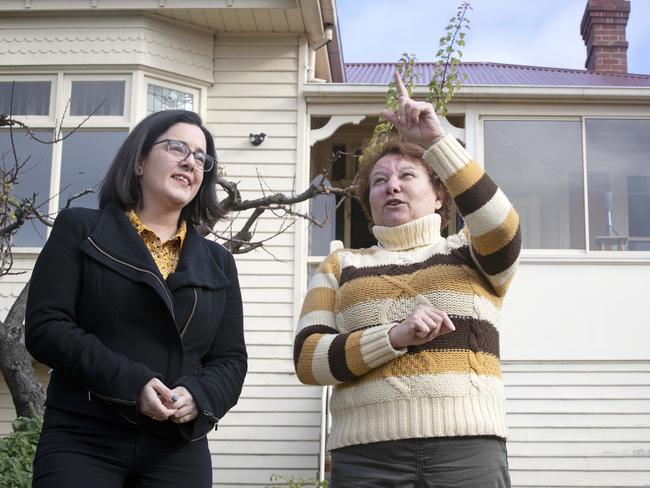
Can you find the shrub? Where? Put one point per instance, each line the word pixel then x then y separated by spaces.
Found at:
pixel 17 453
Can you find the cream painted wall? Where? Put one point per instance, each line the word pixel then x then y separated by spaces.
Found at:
pixel 577 311
pixel 275 428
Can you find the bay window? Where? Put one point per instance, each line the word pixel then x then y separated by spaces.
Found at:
pixel 101 104
pixel 161 96
pixel 25 97
pixel 97 97
pixel 53 108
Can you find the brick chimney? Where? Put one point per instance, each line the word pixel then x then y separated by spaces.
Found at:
pixel 603 30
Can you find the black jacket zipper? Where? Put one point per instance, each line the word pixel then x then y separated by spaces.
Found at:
pixel 191 313
pixel 162 285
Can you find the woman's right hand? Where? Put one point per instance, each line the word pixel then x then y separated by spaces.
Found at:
pixel 423 325
pixel 151 398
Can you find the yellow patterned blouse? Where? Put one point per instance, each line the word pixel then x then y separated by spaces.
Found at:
pixel 165 254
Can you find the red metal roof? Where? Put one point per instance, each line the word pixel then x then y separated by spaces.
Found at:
pixel 499 74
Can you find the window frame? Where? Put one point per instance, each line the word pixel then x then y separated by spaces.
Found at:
pixel 95 121
pixel 135 109
pixel 550 256
pixel 172 85
pixel 37 121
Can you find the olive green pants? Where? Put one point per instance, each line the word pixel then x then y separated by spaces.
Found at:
pixel 446 462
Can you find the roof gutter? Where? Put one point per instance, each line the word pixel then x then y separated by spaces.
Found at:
pixel 344 92
pixel 334 49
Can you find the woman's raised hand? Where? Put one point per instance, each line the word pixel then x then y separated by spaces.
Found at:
pixel 423 325
pixel 417 121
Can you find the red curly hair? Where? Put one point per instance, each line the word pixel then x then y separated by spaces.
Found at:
pixel 396 144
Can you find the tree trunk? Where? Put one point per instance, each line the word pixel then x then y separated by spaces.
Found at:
pixel 16 363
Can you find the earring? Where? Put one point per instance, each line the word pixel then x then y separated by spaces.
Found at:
pixel 138 171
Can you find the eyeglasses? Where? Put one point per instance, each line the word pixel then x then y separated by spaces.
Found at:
pixel 180 150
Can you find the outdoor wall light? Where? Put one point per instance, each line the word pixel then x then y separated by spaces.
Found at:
pixel 257 139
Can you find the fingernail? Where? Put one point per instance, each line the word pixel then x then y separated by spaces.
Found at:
pixel 174 398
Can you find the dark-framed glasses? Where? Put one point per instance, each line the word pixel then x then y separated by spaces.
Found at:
pixel 180 151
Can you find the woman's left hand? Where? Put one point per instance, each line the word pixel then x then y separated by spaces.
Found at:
pixel 186 409
pixel 417 121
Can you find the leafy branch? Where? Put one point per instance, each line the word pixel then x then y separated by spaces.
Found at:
pixel 446 80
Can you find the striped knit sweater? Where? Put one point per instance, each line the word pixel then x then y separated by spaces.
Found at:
pixel 451 386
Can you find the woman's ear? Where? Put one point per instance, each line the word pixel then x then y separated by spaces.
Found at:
pixel 138 169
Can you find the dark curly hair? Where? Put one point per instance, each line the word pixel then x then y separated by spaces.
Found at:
pixel 396 144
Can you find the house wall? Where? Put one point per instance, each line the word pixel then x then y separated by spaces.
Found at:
pixel 276 426
pixel 577 372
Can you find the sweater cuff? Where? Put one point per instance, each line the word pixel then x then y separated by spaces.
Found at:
pixel 376 347
pixel 447 157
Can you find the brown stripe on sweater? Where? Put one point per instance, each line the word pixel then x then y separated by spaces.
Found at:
pixel 354 356
pixel 353 272
pixel 476 196
pixel 302 336
pixel 305 360
pixel 472 334
pixel 466 177
pixel 497 238
pixel 464 255
pixel 336 358
pixel 432 363
pixel 318 299
pixel 451 279
pixel 501 260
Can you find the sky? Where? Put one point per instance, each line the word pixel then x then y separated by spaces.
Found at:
pixel 527 32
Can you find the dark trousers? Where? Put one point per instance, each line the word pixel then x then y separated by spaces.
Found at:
pixel 446 462
pixel 77 451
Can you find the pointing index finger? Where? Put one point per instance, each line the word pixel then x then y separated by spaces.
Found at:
pixel 399 84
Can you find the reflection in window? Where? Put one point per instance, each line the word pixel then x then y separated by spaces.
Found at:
pixel 106 97
pixel 86 157
pixel 538 165
pixel 34 178
pixel 28 98
pixel 322 209
pixel 162 98
pixel 618 172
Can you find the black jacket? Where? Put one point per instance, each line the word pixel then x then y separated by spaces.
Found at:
pixel 101 315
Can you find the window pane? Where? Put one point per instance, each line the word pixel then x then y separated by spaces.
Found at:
pixel 618 171
pixel 107 97
pixel 85 160
pixel 322 209
pixel 161 98
pixel 538 165
pixel 29 97
pixel 33 179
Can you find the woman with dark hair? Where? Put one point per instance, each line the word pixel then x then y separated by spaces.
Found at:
pixel 407 331
pixel 140 319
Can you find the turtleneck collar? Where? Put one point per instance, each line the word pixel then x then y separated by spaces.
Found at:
pixel 416 233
